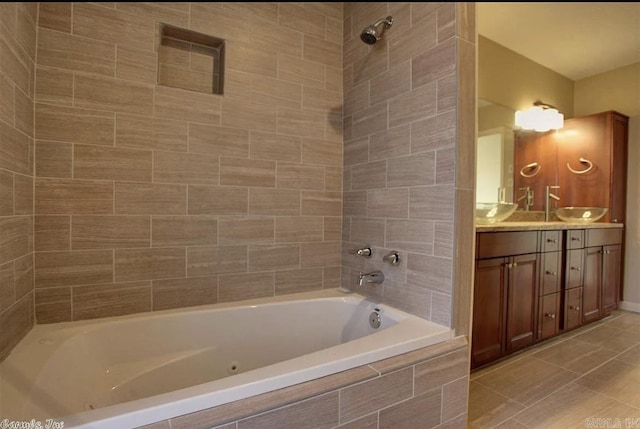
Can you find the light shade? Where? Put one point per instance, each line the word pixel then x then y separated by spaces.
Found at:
pixel 541 117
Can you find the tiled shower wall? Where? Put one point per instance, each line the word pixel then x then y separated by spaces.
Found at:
pixel 402 127
pixel 149 197
pixel 17 54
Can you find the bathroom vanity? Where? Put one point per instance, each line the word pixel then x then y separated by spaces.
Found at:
pixel 536 280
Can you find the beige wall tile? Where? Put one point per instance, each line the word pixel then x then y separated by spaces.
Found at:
pixel 320 254
pixel 331 277
pixel 297 70
pixel 274 257
pixel 266 11
pixel 362 399
pixel 161 12
pixel 205 261
pixel 96 162
pixel 245 230
pixel 415 40
pixel 54 15
pixel 391 143
pixel 108 300
pixel 171 167
pixel 178 293
pixel 184 231
pixel 236 287
pixel 276 202
pixel 434 64
pixel 192 80
pixel 321 99
pixel 367 422
pixel 391 203
pixel 16 323
pixel 321 51
pixel 332 228
pixel 418 104
pixel 252 116
pixel 173 103
pixel 334 30
pixel 440 370
pixel 7 291
pixel 6 193
pixel 306 123
pixel 443 239
pixel 112 94
pixel 430 272
pixel 446 21
pixel 109 25
pixel 23 113
pixel 356 99
pixel 370 231
pixel 23 194
pixel 333 179
pixel 13 64
pixel 355 203
pixel 371 175
pixel 52 233
pixel 54 86
pixel 15 150
pixel 222 141
pixel 356 151
pixel 69 268
pixel 70 52
pixel 296 229
pixel 422 411
pixel 23 276
pixel 393 82
pixel 64 196
pixel 147 198
pixel 136 65
pixel 245 57
pixel 414 170
pixel 432 202
pixel 149 133
pixel 74 125
pixel 8 12
pixel 53 305
pixel 295 281
pixel 53 159
pixel 220 22
pixel 315 151
pixel 410 235
pixel 317 413
pixel 7 103
pixel 446 166
pixel 109 232
pixel 372 64
pixel 218 200
pixel 321 203
pixel 272 37
pixel 433 133
pixel 300 176
pixel 302 19
pixel 147 264
pixel 447 93
pixel 454 398
pixel 370 120
pixel 245 172
pixel 275 147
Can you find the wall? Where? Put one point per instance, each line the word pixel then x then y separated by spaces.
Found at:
pixel 17 53
pixel 619 90
pixel 402 138
pixel 149 197
pixel 505 77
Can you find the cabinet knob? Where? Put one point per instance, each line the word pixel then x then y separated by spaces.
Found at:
pixel 571 307
pixel 515 264
pixel 550 315
pixel 551 273
pixel 575 238
pixel 552 240
pixel 576 268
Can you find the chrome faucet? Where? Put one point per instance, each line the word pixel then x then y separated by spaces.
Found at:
pixel 372 277
pixel 527 197
pixel 547 206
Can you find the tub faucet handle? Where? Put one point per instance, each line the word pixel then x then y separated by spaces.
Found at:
pixel 364 251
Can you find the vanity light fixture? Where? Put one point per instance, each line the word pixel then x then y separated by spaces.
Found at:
pixel 541 117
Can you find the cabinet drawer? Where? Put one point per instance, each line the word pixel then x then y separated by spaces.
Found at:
pixel 550 272
pixel 551 241
pixel 572 312
pixel 549 316
pixel 604 237
pixel 497 244
pixel 575 239
pixel 573 273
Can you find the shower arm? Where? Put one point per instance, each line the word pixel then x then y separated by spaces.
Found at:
pixel 388 21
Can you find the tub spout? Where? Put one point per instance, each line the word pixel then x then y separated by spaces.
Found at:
pixel 372 277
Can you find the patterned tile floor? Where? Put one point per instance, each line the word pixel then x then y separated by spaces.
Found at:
pixel 587 378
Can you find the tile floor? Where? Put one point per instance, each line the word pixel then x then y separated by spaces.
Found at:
pixel 587 378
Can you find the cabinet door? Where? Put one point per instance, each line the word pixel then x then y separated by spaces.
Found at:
pixel 521 306
pixel 610 278
pixel 618 204
pixel 549 316
pixel 550 272
pixel 572 312
pixel 487 338
pixel 592 289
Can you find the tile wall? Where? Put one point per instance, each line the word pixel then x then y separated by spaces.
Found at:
pixel 404 159
pixel 17 54
pixel 149 197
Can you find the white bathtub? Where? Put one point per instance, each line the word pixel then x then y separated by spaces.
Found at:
pixel 134 370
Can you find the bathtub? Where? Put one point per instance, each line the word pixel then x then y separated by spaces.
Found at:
pixel 129 371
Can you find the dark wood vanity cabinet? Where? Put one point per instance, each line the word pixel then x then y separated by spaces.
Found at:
pixel 549 314
pixel 505 294
pixel 602 276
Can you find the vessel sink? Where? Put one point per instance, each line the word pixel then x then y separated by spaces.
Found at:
pixel 488 213
pixel 581 214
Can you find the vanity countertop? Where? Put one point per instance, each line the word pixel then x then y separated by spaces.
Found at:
pixel 543 226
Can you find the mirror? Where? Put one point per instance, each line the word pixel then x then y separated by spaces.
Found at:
pixel 494 159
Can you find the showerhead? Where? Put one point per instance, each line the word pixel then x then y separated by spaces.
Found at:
pixel 372 33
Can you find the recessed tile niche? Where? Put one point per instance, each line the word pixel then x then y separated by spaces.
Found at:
pixel 190 60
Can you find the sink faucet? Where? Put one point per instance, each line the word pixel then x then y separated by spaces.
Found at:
pixel 372 277
pixel 547 206
pixel 527 197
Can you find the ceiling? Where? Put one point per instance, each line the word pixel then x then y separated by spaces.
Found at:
pixel 577 40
